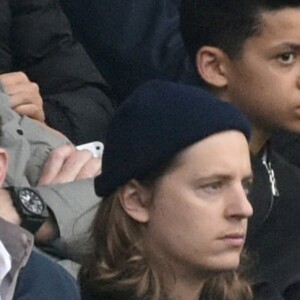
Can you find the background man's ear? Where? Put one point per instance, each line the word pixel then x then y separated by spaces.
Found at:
pixel 3 165
pixel 134 199
pixel 211 66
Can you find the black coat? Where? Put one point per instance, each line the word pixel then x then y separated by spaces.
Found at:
pixel 273 232
pixel 35 38
pixel 132 41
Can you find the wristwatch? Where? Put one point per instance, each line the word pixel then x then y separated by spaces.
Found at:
pixel 30 206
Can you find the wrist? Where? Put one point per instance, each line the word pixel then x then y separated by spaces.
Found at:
pixel 49 231
pixel 30 206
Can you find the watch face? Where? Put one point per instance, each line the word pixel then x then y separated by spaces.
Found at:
pixel 31 201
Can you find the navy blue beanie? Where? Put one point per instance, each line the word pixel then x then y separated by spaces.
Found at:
pixel 156 122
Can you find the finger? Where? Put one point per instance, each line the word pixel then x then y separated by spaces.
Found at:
pixel 54 163
pixel 91 169
pixel 72 166
pixel 24 93
pixel 31 111
pixel 13 78
pixel 30 88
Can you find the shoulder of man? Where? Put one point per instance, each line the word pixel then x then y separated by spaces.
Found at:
pixel 44 279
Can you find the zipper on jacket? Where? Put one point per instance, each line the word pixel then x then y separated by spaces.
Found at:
pixel 271 173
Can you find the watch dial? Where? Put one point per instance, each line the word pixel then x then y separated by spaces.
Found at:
pixel 31 201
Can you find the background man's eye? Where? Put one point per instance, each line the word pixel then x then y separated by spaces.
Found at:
pixel 287 57
pixel 211 187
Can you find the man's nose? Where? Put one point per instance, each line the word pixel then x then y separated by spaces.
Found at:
pixel 237 204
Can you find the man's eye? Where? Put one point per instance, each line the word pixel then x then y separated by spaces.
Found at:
pixel 247 186
pixel 286 58
pixel 212 187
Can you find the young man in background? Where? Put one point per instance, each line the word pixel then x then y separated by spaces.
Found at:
pixel 248 53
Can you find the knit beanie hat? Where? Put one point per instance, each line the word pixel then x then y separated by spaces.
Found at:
pixel 156 122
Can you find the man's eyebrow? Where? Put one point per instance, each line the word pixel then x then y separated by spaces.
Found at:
pixel 290 45
pixel 222 176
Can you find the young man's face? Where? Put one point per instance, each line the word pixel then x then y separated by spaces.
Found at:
pixel 265 81
pixel 198 217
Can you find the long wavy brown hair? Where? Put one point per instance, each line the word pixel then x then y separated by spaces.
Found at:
pixel 117 266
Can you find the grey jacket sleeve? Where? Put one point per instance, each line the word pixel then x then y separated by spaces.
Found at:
pixel 28 146
pixel 74 205
pixel 27 143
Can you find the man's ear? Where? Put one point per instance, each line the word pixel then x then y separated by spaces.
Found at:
pixel 134 199
pixel 3 165
pixel 211 66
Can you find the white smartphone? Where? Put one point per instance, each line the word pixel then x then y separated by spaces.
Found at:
pixel 95 147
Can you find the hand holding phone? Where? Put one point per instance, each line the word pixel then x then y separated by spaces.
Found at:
pixel 66 163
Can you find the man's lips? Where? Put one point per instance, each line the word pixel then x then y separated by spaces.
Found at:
pixel 234 239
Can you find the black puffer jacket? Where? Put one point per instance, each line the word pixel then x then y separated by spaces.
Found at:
pixel 35 38
pixel 132 41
